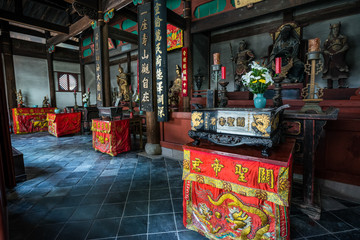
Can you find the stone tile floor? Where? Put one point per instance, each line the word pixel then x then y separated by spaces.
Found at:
pixel 73 192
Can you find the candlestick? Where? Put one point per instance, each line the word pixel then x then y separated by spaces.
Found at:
pixel 216 57
pixel 223 72
pixel 278 65
pixel 88 89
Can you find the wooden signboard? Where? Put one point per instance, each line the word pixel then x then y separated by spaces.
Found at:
pixel 160 16
pixel 145 58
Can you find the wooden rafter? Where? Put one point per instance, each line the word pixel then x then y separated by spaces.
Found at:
pixel 244 14
pixel 175 19
pixel 85 22
pixel 121 35
pixel 11 17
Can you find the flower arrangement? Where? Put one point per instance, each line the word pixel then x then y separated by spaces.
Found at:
pixel 257 79
pixel 85 97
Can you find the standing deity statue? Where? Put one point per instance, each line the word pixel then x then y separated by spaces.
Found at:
pixel 335 48
pixel 287 46
pixel 242 60
pixel 123 85
pixel 175 90
pixel 19 98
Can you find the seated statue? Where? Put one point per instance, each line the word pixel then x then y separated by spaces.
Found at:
pixel 175 90
pixel 287 46
pixel 123 85
pixel 19 98
pixel 45 102
pixel 335 48
pixel 242 60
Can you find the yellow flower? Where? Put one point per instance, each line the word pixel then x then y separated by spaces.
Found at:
pixel 262 81
pixel 255 81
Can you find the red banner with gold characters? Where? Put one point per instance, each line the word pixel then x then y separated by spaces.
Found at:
pixel 28 120
pixel 228 197
pixel 111 137
pixel 184 57
pixel 64 123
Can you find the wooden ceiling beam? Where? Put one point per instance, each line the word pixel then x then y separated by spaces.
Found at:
pixel 26 31
pixel 85 22
pixel 175 19
pixel 243 14
pixel 28 21
pixel 74 29
pixel 116 4
pixel 121 35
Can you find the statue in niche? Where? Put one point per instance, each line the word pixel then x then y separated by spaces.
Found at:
pixel 286 46
pixel 242 60
pixel 175 90
pixel 335 48
pixel 19 98
pixel 122 82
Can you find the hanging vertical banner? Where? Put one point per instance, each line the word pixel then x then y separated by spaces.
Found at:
pixel 145 58
pixel 184 84
pixel 160 10
pixel 98 66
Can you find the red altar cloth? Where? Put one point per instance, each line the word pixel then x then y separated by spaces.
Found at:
pixel 235 193
pixel 64 123
pixel 111 137
pixel 28 120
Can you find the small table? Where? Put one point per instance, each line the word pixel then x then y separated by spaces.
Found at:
pixel 64 123
pixel 111 137
pixel 28 120
pixel 236 192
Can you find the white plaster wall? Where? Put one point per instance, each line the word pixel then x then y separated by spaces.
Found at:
pixel 31 76
pixel 64 99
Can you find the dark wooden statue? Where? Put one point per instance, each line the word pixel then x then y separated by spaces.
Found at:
pixel 242 60
pixel 335 48
pixel 287 45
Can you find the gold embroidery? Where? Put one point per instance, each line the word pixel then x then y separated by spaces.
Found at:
pixel 266 176
pixel 186 164
pixel 196 163
pixel 240 170
pixel 217 166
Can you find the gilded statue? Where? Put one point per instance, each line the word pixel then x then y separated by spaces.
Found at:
pixel 175 90
pixel 335 48
pixel 286 46
pixel 123 85
pixel 19 98
pixel 242 60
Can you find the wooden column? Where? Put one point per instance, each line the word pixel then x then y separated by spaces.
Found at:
pixel 7 169
pixel 82 75
pixel 106 65
pixel 9 66
pixel 50 64
pixel 188 44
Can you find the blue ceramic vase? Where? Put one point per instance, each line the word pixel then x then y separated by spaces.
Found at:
pixel 85 105
pixel 260 101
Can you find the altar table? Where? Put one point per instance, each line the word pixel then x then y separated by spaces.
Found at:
pixel 236 193
pixel 111 137
pixel 64 123
pixel 28 120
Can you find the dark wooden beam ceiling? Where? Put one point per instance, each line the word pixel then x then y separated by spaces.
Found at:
pixel 345 9
pixel 175 19
pixel 121 35
pixel 28 21
pixel 85 22
pixel 244 14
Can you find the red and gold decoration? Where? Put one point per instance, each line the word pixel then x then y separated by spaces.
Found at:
pixel 233 196
pixel 184 84
pixel 174 37
pixel 28 120
pixel 64 123
pixel 111 137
